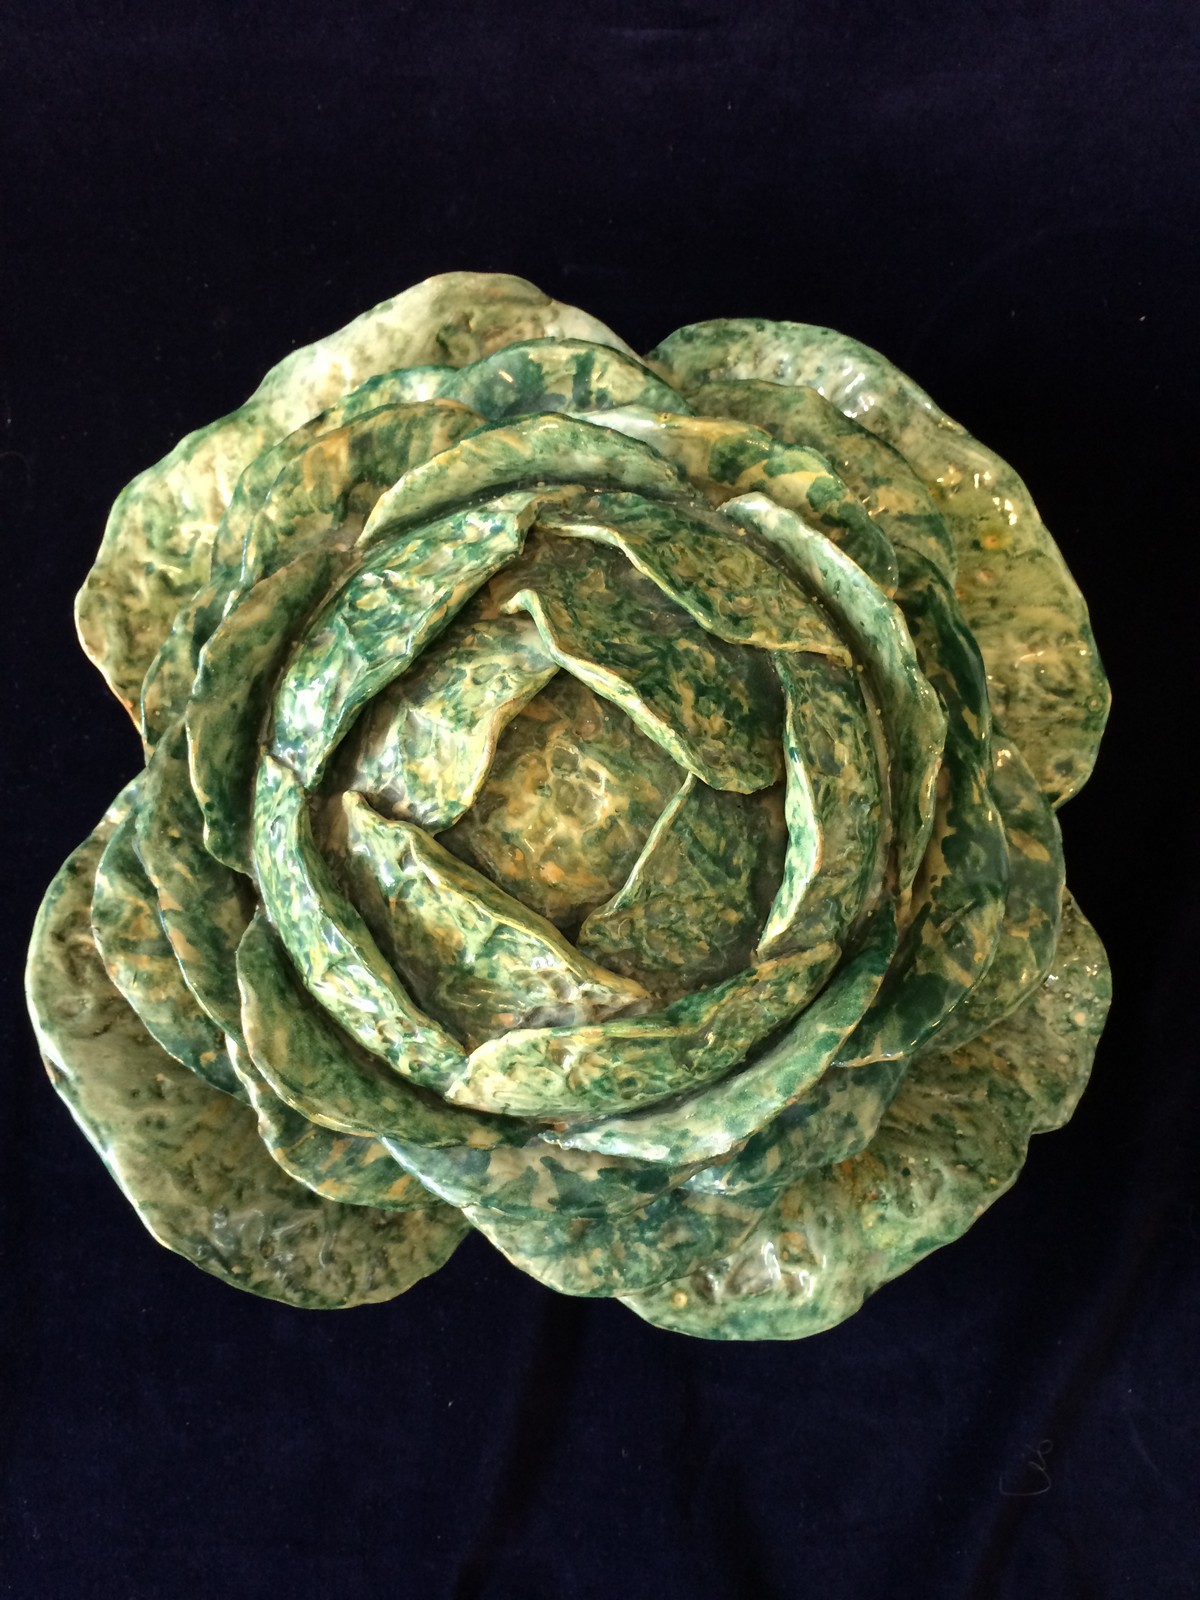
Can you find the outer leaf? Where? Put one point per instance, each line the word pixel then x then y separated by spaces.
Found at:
pixel 724 459
pixel 959 894
pixel 324 493
pixel 834 808
pixel 188 1157
pixel 954 1140
pixel 902 508
pixel 156 546
pixel 620 1254
pixel 320 1071
pixel 558 375
pixel 231 698
pixel 1025 609
pixel 205 907
pixel 137 955
pixel 535 451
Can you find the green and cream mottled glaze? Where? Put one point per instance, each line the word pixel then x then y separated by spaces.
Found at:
pixel 484 964
pixel 952 1141
pixel 725 459
pixel 573 808
pixel 423 748
pixel 712 706
pixel 914 721
pixel 159 536
pixel 568 803
pixel 699 1127
pixel 353 1170
pixel 958 897
pixel 138 956
pixel 330 943
pixel 833 808
pixel 636 1060
pixel 204 905
pixel 877 477
pixel 188 1156
pixel 403 594
pixel 1023 606
pixel 691 911
pixel 227 713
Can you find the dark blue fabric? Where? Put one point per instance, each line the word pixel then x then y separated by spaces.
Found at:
pixel 1004 199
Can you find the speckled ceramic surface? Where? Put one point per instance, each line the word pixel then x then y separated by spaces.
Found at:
pixel 607 802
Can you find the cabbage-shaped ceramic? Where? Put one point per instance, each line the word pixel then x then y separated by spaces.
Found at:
pixel 603 801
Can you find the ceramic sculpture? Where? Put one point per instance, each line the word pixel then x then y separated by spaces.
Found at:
pixel 605 802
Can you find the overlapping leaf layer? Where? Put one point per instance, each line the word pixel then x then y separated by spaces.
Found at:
pixel 606 802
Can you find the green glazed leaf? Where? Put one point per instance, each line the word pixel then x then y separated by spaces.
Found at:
pixel 1036 877
pixel 320 1071
pixel 324 494
pixel 330 944
pixel 1023 606
pixel 900 506
pixel 558 375
pixel 833 806
pixel 423 748
pixel 481 961
pixel 620 1254
pixel 637 1060
pixel 157 543
pixel 691 910
pixel 139 960
pixel 952 1142
pixel 188 1157
pixel 338 1166
pixel 402 595
pixel 708 569
pixel 914 721
pixel 170 676
pixel 699 1127
pixel 568 803
pixel 231 698
pixel 724 459
pixel 713 707
pixel 958 899
pixel 204 906
pixel 536 451
pixel 531 1178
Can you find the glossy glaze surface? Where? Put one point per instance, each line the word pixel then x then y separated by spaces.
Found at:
pixel 604 802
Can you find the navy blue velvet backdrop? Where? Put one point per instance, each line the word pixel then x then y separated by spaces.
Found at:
pixel 1001 196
